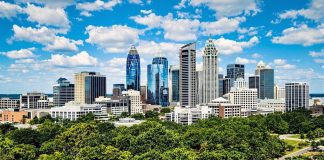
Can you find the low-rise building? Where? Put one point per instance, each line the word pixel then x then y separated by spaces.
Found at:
pixel 115 105
pixel 135 101
pixel 15 116
pixel 74 110
pixel 127 122
pixel 224 108
pixel 9 103
pixel 188 115
pixel 30 100
pixel 273 105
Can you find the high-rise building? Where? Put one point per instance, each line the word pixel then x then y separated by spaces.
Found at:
pixel 135 101
pixel 220 85
pixel 157 82
pixel 118 89
pixel 187 80
pixel 63 92
pixel 210 73
pixel 254 82
pixel 143 94
pixel 88 86
pixel 279 92
pixel 259 67
pixel 235 71
pixel 244 96
pixel 133 70
pixel 226 85
pixel 30 100
pixel 174 83
pixel 200 87
pixel 297 96
pixel 266 84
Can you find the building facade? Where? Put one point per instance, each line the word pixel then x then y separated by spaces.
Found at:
pixel 297 96
pixel 174 83
pixel 133 70
pixel 260 66
pixel 63 92
pixel 187 78
pixel 135 101
pixel 143 94
pixel 254 82
pixel 30 100
pixel 115 105
pixel 210 73
pixel 118 89
pixel 9 103
pixel 274 105
pixel 235 71
pixel 267 84
pixel 157 82
pixel 224 108
pixel 279 92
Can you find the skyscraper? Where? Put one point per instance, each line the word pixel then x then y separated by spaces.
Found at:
pixel 174 83
pixel 254 82
pixel 133 70
pixel 266 84
pixel 210 72
pixel 235 71
pixel 279 92
pixel 220 85
pixel 200 86
pixel 297 96
pixel 143 93
pixel 157 81
pixel 187 80
pixel 118 89
pixel 259 67
pixel 63 92
pixel 88 86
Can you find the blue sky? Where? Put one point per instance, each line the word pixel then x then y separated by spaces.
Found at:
pixel 42 40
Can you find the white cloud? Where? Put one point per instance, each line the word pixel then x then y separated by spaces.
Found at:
pixel 153 48
pixel 146 11
pixel 240 60
pixel 221 26
pixel 151 20
pixel 227 46
pixel 50 3
pixel 81 59
pixel 113 39
pixel 8 10
pixel 318 60
pixel 182 4
pixel 180 29
pixel 282 64
pixel 317 54
pixel 46 37
pixel 301 35
pixel 279 61
pixel 315 12
pixel 269 33
pixel 5 79
pixel 256 55
pixel 226 8
pixel 97 5
pixel 18 54
pixel 135 1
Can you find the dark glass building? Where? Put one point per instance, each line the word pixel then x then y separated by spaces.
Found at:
pixel 254 82
pixel 174 75
pixel 220 85
pixel 266 84
pixel 157 82
pixel 95 86
pixel 63 92
pixel 234 71
pixel 118 89
pixel 133 70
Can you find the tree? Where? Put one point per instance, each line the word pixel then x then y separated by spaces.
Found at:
pixel 124 115
pixel 276 124
pixel 152 114
pixel 138 116
pixel 180 153
pixel 165 110
pixel 86 118
pixel 115 154
pixel 152 154
pixel 26 136
pixel 6 127
pixel 48 130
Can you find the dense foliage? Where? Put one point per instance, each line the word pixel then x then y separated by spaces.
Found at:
pixel 215 138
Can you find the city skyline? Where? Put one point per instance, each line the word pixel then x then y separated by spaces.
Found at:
pixel 37 50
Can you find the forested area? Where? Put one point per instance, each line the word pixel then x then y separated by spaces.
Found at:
pixel 254 137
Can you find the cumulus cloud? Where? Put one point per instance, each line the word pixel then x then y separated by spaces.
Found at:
pixel 180 29
pixel 221 26
pixel 79 60
pixel 269 33
pixel 256 55
pixel 282 64
pixel 227 46
pixel 8 10
pixel 50 3
pixel 46 37
pixel 182 4
pixel 18 54
pixel 226 8
pixel 98 5
pixel 315 12
pixel 301 35
pixel 151 20
pixel 5 79
pixel 113 39
pixel 317 54
pixel 154 48
pixel 240 60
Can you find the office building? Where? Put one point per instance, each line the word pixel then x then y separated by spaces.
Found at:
pixel 88 86
pixel 297 95
pixel 188 115
pixel 187 78
pixel 9 103
pixel 30 100
pixel 157 82
pixel 243 95
pixel 224 108
pixel 267 84
pixel 15 116
pixel 199 84
pixel 63 92
pixel 135 101
pixel 220 85
pixel 254 82
pixel 260 66
pixel 272 105
pixel 133 70
pixel 115 105
pixel 279 92
pixel 226 85
pixel 74 110
pixel 174 83
pixel 118 89
pixel 210 72
pixel 143 94
pixel 235 71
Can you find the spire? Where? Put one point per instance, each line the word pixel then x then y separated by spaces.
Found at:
pixel 133 50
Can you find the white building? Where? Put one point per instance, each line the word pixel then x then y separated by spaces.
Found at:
pixel 188 115
pixel 31 99
pixel 135 101
pixel 128 122
pixel 74 110
pixel 9 103
pixel 271 105
pixel 297 95
pixel 279 92
pixel 260 66
pixel 224 108
pixel 42 104
pixel 115 105
pixel 210 73
pixel 243 95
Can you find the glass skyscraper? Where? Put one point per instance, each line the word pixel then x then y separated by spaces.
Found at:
pixel 63 92
pixel 266 84
pixel 95 86
pixel 133 70
pixel 174 83
pixel 157 82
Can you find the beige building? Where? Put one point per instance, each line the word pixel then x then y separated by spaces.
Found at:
pixel 135 98
pixel 14 116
